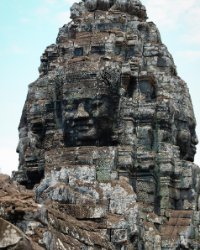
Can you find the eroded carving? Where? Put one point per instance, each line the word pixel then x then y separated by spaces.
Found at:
pixel 108 132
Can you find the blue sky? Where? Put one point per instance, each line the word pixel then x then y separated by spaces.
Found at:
pixel 27 27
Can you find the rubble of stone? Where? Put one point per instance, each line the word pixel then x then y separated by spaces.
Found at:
pixel 106 141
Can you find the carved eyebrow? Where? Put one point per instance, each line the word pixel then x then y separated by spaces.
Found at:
pixel 97 102
pixel 76 101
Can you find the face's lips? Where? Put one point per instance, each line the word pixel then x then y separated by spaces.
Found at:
pixel 87 134
pixel 193 149
pixel 83 128
pixel 31 158
pixel 84 123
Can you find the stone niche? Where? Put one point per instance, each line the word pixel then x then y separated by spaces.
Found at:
pixel 145 184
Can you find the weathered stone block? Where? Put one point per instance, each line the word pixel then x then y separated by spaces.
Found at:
pixel 119 235
pixel 108 135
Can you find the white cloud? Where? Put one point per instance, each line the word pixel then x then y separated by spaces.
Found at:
pixel 55 10
pixel 168 12
pixel 192 38
pixel 70 2
pixel 41 11
pixel 63 17
pixel 194 15
pixel 51 1
pixel 16 49
pixel 24 20
pixel 189 55
pixel 181 16
pixel 67 2
pixel 8 160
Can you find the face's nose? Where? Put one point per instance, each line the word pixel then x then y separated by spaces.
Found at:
pixel 195 140
pixel 81 112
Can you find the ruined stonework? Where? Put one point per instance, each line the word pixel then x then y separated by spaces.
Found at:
pixel 107 140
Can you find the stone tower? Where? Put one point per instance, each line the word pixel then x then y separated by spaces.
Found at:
pixel 107 137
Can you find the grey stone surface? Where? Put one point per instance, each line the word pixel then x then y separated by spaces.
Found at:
pixel 107 137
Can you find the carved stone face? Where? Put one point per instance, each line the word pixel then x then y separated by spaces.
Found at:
pixel 88 121
pixel 31 135
pixel 187 141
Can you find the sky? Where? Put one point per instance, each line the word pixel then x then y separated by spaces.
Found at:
pixel 28 27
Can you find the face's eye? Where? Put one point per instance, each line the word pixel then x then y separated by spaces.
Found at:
pixel 69 107
pixel 94 106
pixel 97 104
